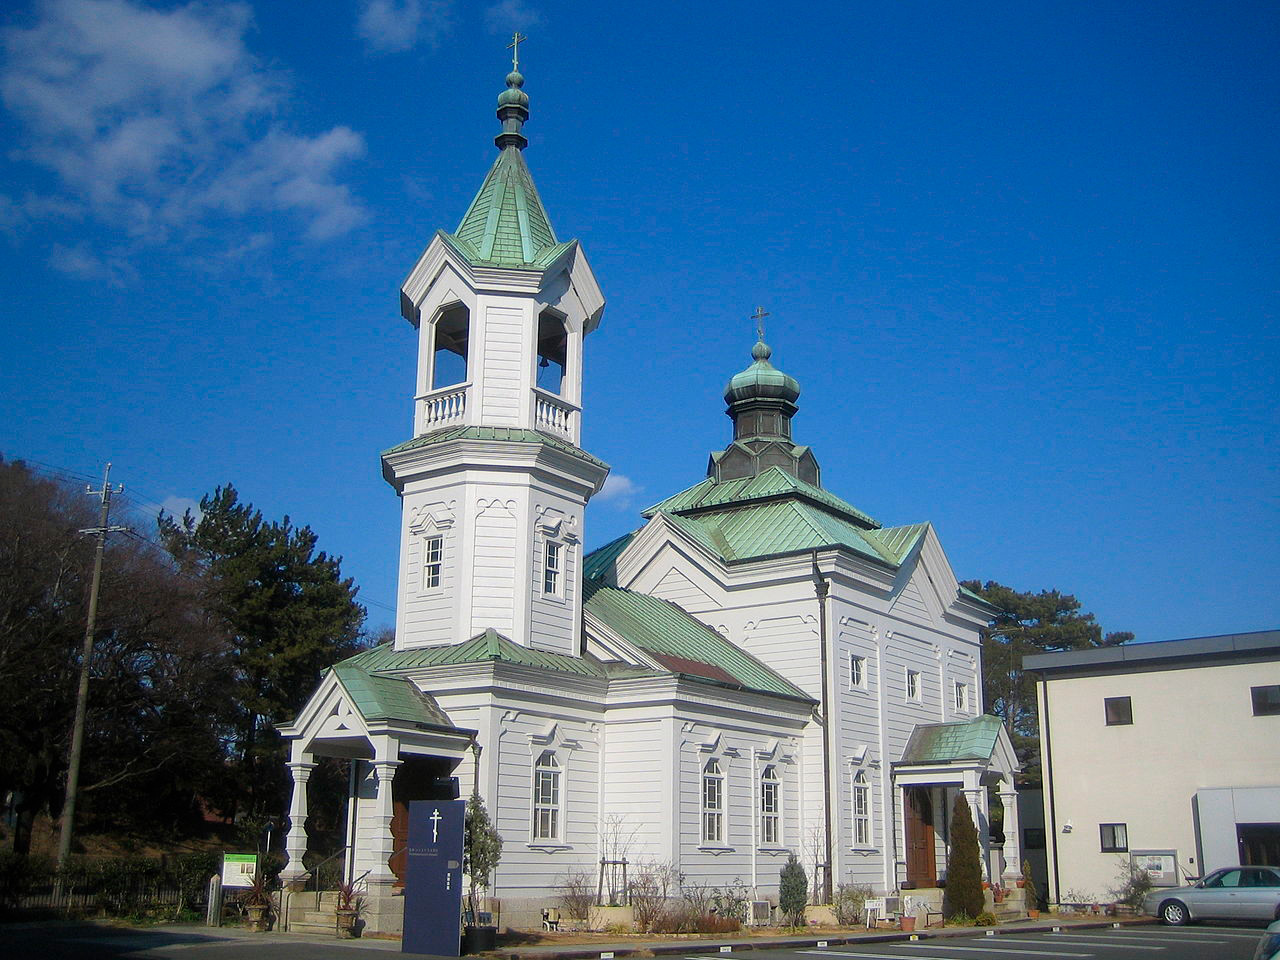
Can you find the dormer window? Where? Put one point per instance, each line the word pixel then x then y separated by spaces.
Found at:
pixel 449 347
pixel 553 348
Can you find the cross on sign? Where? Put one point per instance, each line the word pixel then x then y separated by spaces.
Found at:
pixel 435 819
pixel 516 39
pixel 758 317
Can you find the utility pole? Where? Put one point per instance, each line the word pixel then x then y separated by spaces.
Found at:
pixel 82 693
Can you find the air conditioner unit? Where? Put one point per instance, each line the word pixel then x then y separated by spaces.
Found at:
pixel 761 911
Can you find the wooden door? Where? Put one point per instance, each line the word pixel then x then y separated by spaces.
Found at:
pixel 922 862
pixel 417 778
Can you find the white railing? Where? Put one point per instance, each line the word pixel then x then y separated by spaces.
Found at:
pixel 555 416
pixel 443 409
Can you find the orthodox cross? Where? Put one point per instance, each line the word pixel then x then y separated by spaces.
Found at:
pixel 516 39
pixel 758 317
pixel 435 819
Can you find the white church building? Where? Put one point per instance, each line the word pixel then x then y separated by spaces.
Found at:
pixel 759 669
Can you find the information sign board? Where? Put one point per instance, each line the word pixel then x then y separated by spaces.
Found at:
pixel 433 878
pixel 238 869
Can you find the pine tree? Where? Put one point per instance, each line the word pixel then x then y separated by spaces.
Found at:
pixel 964 864
pixel 793 890
pixel 481 850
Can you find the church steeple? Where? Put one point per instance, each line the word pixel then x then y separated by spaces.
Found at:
pixel 761 402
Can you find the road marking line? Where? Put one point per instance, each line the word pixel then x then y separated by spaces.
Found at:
pixel 842 953
pixel 1075 938
pixel 1154 938
pixel 983 948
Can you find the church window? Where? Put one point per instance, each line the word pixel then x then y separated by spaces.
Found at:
pixel 962 697
pixel 861 810
pixel 770 807
pixel 449 348
pixel 432 562
pixel 913 685
pixel 552 567
pixel 712 803
pixel 857 672
pixel 553 346
pixel 546 797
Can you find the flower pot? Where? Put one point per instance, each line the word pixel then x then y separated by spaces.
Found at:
pixel 479 939
pixel 347 922
pixel 1033 914
pixel 257 917
pixel 908 923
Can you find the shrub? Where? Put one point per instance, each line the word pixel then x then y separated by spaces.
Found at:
pixel 964 864
pixel 649 889
pixel 985 919
pixel 19 873
pixel 848 903
pixel 793 890
pixel 733 901
pixel 960 919
pixel 577 894
pixel 192 872
pixel 1132 884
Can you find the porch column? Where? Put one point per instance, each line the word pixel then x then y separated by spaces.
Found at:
pixel 296 841
pixel 1012 836
pixel 382 845
pixel 974 796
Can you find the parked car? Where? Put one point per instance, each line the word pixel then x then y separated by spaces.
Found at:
pixel 1269 945
pixel 1232 893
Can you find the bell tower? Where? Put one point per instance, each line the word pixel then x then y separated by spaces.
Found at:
pixel 493 484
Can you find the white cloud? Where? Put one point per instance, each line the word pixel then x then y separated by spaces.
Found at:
pixel 154 117
pixel 618 491
pixel 177 506
pixel 393 26
pixel 508 15
pixel 81 262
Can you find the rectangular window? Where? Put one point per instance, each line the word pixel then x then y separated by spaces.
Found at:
pixel 712 803
pixel 962 697
pixel 1033 838
pixel 1115 837
pixel 770 808
pixel 857 672
pixel 552 568
pixel 432 562
pixel 861 810
pixel 913 685
pixel 1119 711
pixel 546 797
pixel 1266 700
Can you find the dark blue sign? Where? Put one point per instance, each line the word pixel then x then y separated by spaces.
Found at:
pixel 433 878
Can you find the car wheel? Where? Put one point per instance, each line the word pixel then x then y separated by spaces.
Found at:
pixel 1174 913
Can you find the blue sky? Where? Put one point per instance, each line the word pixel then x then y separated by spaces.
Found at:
pixel 1022 259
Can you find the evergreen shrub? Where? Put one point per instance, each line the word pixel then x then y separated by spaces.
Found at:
pixel 793 890
pixel 964 864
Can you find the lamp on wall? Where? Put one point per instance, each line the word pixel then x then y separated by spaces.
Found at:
pixel 1067 827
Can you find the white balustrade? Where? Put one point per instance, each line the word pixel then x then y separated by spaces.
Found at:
pixel 554 416
pixel 443 409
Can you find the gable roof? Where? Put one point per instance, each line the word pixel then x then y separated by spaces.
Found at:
pixel 974 739
pixel 489 645
pixel 388 698
pixel 680 643
pixel 774 482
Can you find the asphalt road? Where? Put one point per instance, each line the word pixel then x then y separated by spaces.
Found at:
pixel 87 942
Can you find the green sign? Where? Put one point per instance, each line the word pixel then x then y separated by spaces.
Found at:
pixel 238 869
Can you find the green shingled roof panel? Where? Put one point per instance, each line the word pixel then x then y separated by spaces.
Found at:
pixel 774 482
pixel 506 434
pixel 664 630
pixel 941 742
pixel 598 564
pixel 388 698
pixel 899 541
pixel 506 224
pixel 489 645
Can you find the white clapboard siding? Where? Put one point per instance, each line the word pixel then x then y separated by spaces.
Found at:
pixel 683 592
pixel 493 583
pixel 503 359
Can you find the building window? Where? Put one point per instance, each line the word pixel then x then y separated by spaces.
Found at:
pixel 1115 837
pixel 1119 711
pixel 432 562
pixel 1033 838
pixel 712 803
pixel 861 810
pixel 546 797
pixel 770 808
pixel 553 346
pixel 552 568
pixel 913 685
pixel 962 697
pixel 857 672
pixel 449 349
pixel 1266 700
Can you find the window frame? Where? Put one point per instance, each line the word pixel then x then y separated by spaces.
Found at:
pixel 711 828
pixel 913 685
pixel 1125 720
pixel 432 570
pixel 1119 838
pixel 1270 705
pixel 547 802
pixel 857 672
pixel 553 573
pixel 960 693
pixel 860 801
pixel 770 806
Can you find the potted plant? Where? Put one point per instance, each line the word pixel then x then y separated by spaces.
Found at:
pixel 481 853
pixel 350 903
pixel 258 903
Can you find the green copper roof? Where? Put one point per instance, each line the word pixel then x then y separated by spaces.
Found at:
pixel 489 645
pixel 772 483
pixel 941 742
pixel 598 564
pixel 761 379
pixel 505 434
pixel 388 698
pixel 681 643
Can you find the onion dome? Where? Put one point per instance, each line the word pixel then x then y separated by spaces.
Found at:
pixel 761 380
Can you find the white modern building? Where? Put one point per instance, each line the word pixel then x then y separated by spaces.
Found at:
pixel 759 668
pixel 1163 754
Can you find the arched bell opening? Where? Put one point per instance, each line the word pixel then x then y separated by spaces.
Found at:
pixel 450 347
pixel 553 353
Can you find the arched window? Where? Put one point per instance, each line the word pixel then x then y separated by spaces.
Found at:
pixel 449 348
pixel 770 807
pixel 861 810
pixel 553 348
pixel 712 803
pixel 546 797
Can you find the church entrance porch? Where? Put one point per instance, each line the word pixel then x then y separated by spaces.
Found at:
pixel 921 839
